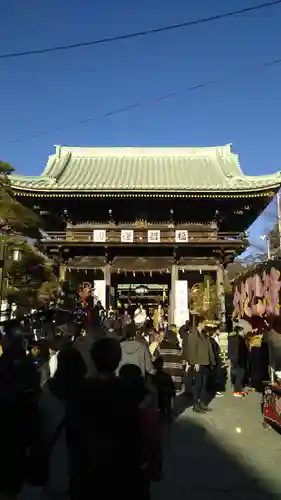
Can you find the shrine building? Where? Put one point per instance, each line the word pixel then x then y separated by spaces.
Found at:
pixel 146 222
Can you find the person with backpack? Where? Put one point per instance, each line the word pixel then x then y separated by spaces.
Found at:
pixel 104 433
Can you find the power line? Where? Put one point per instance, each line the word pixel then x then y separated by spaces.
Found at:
pixel 127 36
pixel 155 100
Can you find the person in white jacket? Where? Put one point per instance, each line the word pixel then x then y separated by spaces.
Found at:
pixel 54 350
pixel 140 316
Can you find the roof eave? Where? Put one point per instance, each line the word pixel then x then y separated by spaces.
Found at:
pixel 258 192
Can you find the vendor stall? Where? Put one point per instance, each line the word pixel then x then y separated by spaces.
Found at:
pixel 271 405
pixel 256 299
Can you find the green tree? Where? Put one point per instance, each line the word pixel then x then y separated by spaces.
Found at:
pixel 14 217
pixel 30 281
pixel 274 239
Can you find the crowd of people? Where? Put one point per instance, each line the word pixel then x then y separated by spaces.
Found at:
pixel 248 353
pixel 81 414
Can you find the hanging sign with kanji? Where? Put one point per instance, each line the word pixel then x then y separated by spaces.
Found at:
pixel 99 235
pixel 153 236
pixel 181 236
pixel 127 236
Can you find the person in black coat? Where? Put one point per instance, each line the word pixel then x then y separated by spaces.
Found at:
pixel 184 333
pixel 184 330
pixel 201 357
pixel 238 355
pixel 218 376
pixel 19 415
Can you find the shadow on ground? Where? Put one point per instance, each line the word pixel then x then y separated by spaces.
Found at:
pixel 182 402
pixel 198 467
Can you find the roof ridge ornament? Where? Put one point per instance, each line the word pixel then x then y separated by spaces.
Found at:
pixel 140 223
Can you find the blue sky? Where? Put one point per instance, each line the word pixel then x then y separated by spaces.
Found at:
pixel 45 96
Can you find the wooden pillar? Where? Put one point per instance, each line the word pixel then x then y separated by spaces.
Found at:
pixel 107 279
pixel 221 294
pixel 174 278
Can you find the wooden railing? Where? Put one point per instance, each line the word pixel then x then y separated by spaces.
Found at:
pixel 140 236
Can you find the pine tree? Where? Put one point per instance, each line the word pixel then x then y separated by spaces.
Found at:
pixel 14 217
pixel 30 281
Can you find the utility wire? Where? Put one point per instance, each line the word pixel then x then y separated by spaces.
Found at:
pixel 127 36
pixel 156 99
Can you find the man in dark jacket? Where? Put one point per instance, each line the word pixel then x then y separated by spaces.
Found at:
pixel 135 352
pixel 201 357
pixel 237 353
pixel 184 332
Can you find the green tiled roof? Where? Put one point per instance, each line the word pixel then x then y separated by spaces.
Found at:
pixel 210 169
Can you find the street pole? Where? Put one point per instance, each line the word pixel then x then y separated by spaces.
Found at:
pixel 266 237
pixel 279 216
pixel 268 247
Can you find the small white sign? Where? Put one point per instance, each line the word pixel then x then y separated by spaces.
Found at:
pixel 181 313
pixel 99 292
pixel 99 235
pixel 127 235
pixel 181 236
pixel 153 236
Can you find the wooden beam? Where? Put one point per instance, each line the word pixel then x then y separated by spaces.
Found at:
pixel 197 267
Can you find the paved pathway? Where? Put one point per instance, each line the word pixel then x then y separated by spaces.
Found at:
pixel 225 454
pixel 206 457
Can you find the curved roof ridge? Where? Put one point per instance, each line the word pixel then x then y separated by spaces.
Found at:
pixel 56 165
pixel 263 176
pixel 230 165
pixel 249 181
pixel 141 151
pixel 32 180
pixel 191 170
pixel 51 163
